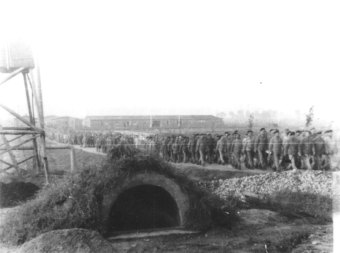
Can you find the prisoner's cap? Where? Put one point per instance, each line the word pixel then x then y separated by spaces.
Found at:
pixel 291 133
pixel 249 131
pixel 328 131
pixel 319 132
pixel 262 129
pixel 276 131
pixel 298 131
pixel 272 130
pixel 227 133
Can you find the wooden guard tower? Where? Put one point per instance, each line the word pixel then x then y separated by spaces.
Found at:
pixel 17 59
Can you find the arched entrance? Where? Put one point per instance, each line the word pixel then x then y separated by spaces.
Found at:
pixel 144 201
pixel 143 207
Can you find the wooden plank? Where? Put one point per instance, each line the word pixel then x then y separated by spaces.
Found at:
pixel 15 138
pixel 36 89
pixel 11 155
pixel 23 120
pixel 17 128
pixel 11 75
pixel 26 159
pixel 11 165
pixel 60 147
pixel 10 132
pixel 3 161
pixel 73 160
pixel 31 148
pixel 10 148
pixel 37 162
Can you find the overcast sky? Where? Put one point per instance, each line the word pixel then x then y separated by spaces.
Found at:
pixel 179 57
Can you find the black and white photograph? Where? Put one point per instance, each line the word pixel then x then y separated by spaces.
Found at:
pixel 169 126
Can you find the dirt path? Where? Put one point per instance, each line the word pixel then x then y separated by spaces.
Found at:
pixel 258 231
pixel 89 150
pixel 193 171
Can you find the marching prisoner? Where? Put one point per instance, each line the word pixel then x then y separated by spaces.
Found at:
pixel 236 148
pixel 275 149
pixel 292 149
pixel 248 148
pixel 201 148
pixel 306 151
pixel 262 147
pixel 331 149
pixel 319 150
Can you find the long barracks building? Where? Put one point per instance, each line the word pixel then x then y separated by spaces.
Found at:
pixel 153 122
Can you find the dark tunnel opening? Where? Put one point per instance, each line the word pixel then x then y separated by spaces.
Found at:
pixel 143 207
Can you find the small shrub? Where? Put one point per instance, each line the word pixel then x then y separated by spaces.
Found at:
pixel 122 151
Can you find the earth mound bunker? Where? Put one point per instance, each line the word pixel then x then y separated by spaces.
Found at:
pixel 138 193
pixel 145 201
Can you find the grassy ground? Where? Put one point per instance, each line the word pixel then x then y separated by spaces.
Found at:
pixel 60 159
pixel 283 234
pixel 59 163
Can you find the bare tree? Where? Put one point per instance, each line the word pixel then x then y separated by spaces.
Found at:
pixel 309 116
pixel 251 121
pixel 221 115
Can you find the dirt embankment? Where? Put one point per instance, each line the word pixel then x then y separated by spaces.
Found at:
pixel 68 241
pixel 300 192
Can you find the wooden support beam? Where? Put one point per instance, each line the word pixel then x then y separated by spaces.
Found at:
pixel 73 160
pixel 35 94
pixel 17 128
pixel 19 148
pixel 10 132
pixel 11 155
pixel 31 148
pixel 23 120
pixel 60 147
pixel 10 148
pixel 38 94
pixel 11 165
pixel 11 75
pixel 15 138
pixel 36 89
pixel 7 163
pixel 30 106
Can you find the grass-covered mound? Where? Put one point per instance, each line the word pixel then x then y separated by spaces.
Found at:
pixel 75 202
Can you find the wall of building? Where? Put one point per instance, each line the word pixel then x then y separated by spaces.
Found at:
pixel 152 123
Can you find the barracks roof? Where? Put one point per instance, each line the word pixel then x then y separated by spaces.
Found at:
pixel 52 118
pixel 148 117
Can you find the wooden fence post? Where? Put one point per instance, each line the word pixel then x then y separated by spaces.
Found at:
pixel 73 159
